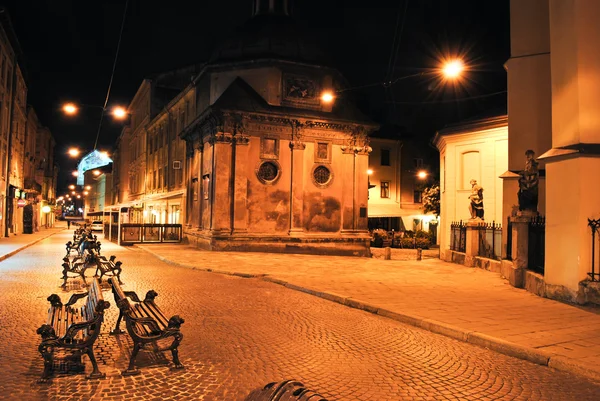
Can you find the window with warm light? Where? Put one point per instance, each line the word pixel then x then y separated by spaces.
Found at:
pixel 385 189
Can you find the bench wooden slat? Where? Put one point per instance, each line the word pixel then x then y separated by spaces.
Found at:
pixel 157 315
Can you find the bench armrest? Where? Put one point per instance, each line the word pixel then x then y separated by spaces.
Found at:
pixel 132 295
pixel 76 297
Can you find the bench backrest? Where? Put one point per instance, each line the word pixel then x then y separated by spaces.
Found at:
pixel 120 297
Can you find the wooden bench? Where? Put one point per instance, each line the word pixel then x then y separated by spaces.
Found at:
pixel 73 328
pixel 146 324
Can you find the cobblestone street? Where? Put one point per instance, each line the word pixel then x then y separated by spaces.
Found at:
pixel 241 333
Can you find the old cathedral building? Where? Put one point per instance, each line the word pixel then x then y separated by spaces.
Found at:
pixel 269 165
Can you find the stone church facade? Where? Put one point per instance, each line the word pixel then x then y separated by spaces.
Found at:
pixel 270 166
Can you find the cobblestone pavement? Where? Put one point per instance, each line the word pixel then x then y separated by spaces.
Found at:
pixel 242 333
pixel 471 300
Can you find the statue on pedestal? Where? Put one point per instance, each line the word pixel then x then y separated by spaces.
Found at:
pixel 528 184
pixel 476 198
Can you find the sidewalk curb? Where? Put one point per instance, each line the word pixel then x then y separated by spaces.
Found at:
pixel 537 356
pixel 11 253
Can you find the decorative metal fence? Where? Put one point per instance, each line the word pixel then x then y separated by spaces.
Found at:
pixel 140 233
pixel 508 239
pixel 537 240
pixel 490 240
pixel 595 226
pixel 458 236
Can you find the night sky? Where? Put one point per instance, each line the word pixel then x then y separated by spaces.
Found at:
pixel 69 49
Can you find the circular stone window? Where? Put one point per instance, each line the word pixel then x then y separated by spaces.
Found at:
pixel 322 176
pixel 268 172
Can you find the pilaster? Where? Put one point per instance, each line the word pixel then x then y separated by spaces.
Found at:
pixel 297 187
pixel 348 221
pixel 221 183
pixel 240 196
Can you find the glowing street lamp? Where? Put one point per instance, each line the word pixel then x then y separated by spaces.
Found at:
pixel 453 69
pixel 97 172
pixel 71 186
pixel 75 173
pixel 78 196
pixel 70 109
pixel 327 97
pixel 119 113
pixel 85 192
pixel 422 174
pixel 88 187
pixel 73 193
pixel 74 152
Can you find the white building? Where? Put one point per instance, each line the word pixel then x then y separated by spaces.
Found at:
pixel 477 150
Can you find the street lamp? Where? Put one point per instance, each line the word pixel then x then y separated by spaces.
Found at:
pixel 327 97
pixel 71 186
pixel 453 69
pixel 74 152
pixel 422 174
pixel 70 109
pixel 75 173
pixel 119 113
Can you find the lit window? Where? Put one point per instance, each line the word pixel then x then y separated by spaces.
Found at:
pixel 385 189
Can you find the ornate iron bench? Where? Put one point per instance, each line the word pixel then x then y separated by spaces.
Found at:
pixel 105 266
pixel 73 328
pixel 287 390
pixel 83 260
pixel 146 324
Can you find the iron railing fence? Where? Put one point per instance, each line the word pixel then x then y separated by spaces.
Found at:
pixel 595 226
pixel 132 233
pixel 536 251
pixel 490 240
pixel 458 236
pixel 508 239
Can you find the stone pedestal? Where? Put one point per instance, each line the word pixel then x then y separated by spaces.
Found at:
pixel 472 242
pixel 515 271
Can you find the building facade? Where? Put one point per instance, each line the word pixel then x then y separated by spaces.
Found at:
pixel 553 95
pixel 149 169
pixel 396 188
pixel 271 166
pixel 475 150
pixel 27 171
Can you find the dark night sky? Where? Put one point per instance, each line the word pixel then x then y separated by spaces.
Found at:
pixel 69 48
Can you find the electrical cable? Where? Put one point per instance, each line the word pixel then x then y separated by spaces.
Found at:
pixel 456 100
pixel 112 75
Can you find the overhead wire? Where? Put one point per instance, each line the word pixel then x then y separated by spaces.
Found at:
pixel 112 75
pixel 456 100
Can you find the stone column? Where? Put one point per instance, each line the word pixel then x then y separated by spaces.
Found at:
pixel 240 192
pixel 221 190
pixel 472 243
pixel 297 188
pixel 348 189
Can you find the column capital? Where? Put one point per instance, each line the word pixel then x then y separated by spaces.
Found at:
pixel 297 145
